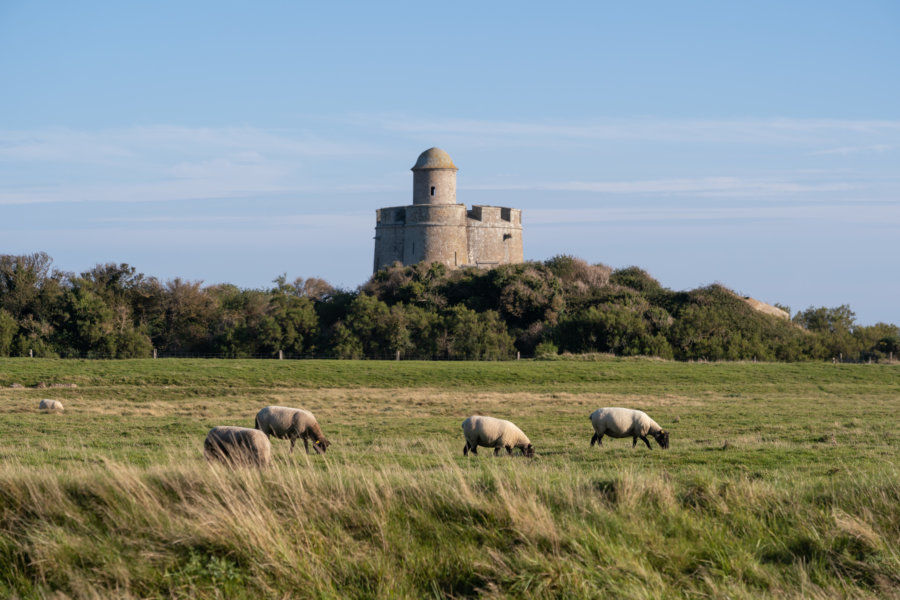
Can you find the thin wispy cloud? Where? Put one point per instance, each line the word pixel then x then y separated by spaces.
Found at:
pixel 848 150
pixel 252 184
pixel 718 186
pixel 142 164
pixel 843 213
pixel 167 163
pixel 651 129
pixel 323 220
pixel 132 143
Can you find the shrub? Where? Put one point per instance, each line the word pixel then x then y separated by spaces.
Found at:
pixel 545 350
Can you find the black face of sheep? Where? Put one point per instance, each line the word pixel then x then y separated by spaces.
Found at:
pixel 662 438
pixel 528 450
pixel 320 446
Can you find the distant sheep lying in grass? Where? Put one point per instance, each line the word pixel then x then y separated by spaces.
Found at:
pixel 494 433
pixel 238 446
pixel 627 422
pixel 292 423
pixel 51 405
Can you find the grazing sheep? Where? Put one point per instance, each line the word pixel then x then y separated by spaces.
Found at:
pixel 494 433
pixel 238 446
pixel 627 422
pixel 51 405
pixel 292 423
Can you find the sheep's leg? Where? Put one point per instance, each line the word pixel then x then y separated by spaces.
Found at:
pixel 306 444
pixel 509 450
pixel 646 441
pixel 293 439
pixel 466 449
pixel 496 450
pixel 634 441
pixel 596 439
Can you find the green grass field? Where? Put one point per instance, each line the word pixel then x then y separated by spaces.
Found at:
pixel 782 481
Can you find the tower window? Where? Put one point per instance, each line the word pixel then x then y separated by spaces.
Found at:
pixel 432 190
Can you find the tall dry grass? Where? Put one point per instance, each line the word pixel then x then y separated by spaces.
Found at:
pixel 434 525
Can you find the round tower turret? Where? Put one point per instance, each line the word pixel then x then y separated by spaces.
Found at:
pixel 434 178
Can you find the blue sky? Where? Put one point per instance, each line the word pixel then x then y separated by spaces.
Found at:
pixel 752 144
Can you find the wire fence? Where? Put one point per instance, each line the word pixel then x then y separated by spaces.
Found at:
pixel 891 358
pixel 382 357
pixel 285 356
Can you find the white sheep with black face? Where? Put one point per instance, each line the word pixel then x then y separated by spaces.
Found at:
pixel 627 422
pixel 494 433
pixel 238 446
pixel 292 423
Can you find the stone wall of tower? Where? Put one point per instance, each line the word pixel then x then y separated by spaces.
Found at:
pixel 494 236
pixel 435 233
pixel 442 180
pixel 390 224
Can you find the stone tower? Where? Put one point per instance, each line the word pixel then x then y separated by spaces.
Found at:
pixel 435 228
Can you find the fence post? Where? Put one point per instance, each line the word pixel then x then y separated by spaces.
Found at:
pixel 398 355
pixel 154 353
pixel 31 354
pixel 518 356
pixel 281 355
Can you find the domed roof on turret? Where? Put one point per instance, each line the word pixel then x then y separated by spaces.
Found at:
pixel 434 158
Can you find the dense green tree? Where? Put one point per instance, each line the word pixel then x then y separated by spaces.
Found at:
pixel 292 325
pixel 469 335
pixel 368 321
pixel 420 311
pixel 190 315
pixel 636 279
pixel 8 330
pixel 877 341
pixel 833 328
pixel 36 337
pixel 21 280
pixel 616 328
pixel 343 343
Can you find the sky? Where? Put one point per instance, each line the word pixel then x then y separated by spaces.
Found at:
pixel 751 144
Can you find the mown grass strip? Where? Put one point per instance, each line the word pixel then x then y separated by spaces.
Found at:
pixel 615 374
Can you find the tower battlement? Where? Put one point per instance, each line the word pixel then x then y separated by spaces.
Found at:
pixel 495 215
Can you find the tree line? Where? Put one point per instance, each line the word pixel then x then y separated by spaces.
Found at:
pixel 561 305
